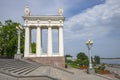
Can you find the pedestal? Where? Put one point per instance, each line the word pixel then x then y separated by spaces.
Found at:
pixel 54 61
pixel 18 56
pixel 90 71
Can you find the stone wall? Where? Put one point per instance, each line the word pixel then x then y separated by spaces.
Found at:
pixel 54 61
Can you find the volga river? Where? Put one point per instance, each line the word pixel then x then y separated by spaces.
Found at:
pixel 110 61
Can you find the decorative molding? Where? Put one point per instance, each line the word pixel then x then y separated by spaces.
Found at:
pixel 38 21
pixel 44 18
pixel 27 11
pixel 60 12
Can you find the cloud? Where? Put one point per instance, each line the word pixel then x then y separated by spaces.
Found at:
pixel 46 7
pixel 94 22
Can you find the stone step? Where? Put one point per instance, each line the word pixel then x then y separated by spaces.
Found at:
pixel 20 69
pixel 25 70
pixel 8 67
pixel 11 68
pixel 28 71
pixel 17 70
pixel 16 66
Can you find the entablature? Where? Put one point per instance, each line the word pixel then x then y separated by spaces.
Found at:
pixel 43 20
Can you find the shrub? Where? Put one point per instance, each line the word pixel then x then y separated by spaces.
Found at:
pixel 83 67
pixel 101 69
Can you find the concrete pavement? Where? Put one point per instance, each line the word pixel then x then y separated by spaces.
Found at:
pixel 22 70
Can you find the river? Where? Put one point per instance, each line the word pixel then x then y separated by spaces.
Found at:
pixel 110 61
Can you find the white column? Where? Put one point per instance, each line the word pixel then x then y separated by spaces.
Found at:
pixel 41 41
pixel 49 41
pixel 61 46
pixel 38 42
pixel 27 42
pixel 30 41
pixel 18 50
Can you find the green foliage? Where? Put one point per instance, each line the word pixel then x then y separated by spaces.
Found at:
pixel 100 68
pixel 68 61
pixel 33 47
pixel 73 65
pixel 82 59
pixel 9 39
pixel 68 55
pixel 82 56
pixel 96 59
pixel 66 58
pixel 0 24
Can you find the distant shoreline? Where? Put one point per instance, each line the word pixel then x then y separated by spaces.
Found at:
pixel 109 58
pixel 110 61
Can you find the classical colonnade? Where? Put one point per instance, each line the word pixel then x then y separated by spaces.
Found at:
pixel 39 23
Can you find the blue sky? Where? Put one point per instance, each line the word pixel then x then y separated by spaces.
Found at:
pixel 98 20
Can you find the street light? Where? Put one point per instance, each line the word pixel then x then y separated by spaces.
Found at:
pixel 89 44
pixel 18 55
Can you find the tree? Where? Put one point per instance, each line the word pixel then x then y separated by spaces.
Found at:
pixel 82 56
pixel 9 39
pixel 82 59
pixel 68 60
pixel 68 55
pixel 33 47
pixel 0 24
pixel 96 59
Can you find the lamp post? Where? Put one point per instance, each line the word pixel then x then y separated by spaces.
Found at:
pixel 18 55
pixel 89 44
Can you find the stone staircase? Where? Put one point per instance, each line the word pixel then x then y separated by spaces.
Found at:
pixel 16 67
pixel 25 69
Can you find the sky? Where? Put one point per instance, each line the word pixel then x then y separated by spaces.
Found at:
pixel 98 20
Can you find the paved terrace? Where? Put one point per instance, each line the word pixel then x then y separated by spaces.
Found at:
pixel 11 69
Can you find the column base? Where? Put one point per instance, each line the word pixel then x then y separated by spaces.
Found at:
pixel 54 61
pixel 90 71
pixel 18 56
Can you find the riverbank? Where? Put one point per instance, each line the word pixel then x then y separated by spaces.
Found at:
pixel 113 68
